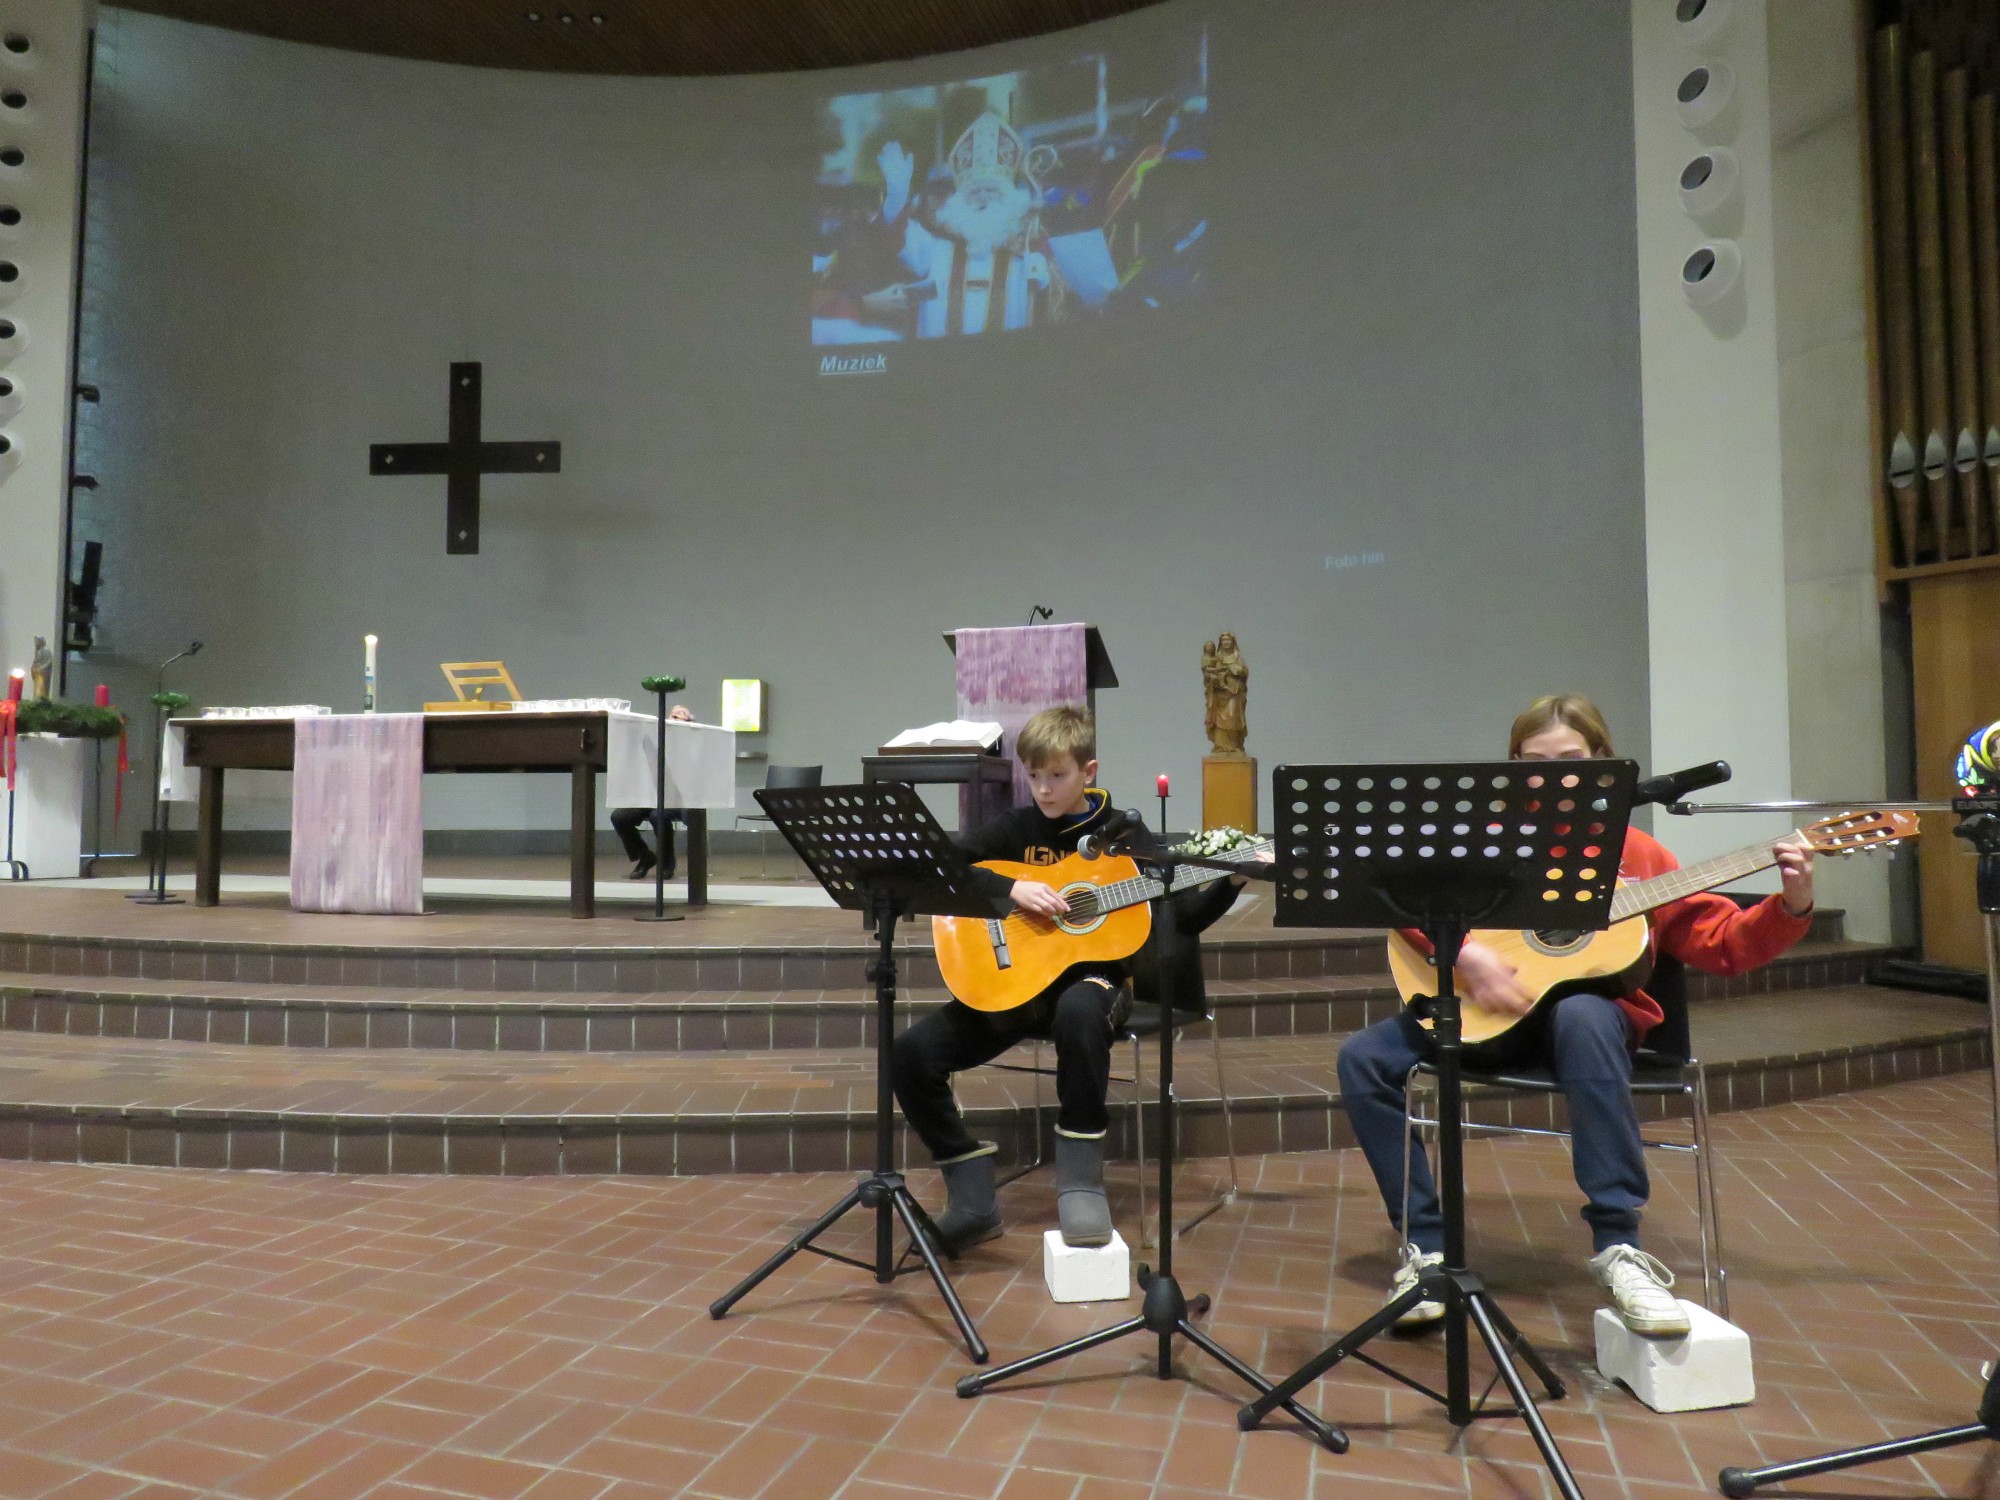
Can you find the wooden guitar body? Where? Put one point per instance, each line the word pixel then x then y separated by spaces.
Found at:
pixel 1003 962
pixel 1551 964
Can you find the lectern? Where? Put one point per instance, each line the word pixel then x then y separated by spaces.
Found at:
pixel 1008 675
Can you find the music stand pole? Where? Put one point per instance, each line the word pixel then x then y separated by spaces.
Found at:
pixel 876 848
pixel 1167 1310
pixel 1979 825
pixel 155 893
pixel 1447 848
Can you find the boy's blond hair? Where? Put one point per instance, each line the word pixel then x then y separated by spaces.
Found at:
pixel 1062 730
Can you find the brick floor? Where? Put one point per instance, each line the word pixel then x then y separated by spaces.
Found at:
pixel 270 1336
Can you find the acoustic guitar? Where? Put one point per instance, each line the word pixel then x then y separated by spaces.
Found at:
pixel 998 963
pixel 1617 960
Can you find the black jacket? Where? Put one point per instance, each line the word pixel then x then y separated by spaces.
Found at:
pixel 1024 836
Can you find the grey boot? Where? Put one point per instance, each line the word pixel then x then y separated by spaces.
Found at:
pixel 1081 1207
pixel 972 1208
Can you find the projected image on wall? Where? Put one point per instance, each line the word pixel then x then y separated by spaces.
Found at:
pixel 1063 193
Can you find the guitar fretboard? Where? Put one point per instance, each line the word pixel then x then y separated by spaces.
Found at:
pixel 1130 892
pixel 1645 895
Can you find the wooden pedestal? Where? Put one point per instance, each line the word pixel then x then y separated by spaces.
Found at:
pixel 1229 792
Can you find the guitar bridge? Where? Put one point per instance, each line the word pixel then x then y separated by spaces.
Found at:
pixel 996 934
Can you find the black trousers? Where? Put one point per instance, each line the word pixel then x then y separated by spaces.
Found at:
pixel 625 822
pixel 1080 1019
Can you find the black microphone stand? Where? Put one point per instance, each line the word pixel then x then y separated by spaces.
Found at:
pixel 164 703
pixel 1979 825
pixel 1167 1311
pixel 663 831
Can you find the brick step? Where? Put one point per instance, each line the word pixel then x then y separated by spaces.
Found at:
pixel 174 1103
pixel 602 1021
pixel 309 1015
pixel 1241 952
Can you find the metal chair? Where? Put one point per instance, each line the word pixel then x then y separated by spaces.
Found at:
pixel 778 778
pixel 1665 1067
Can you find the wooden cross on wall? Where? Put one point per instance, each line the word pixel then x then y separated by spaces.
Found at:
pixel 462 458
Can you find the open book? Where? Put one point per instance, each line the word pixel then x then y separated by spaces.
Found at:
pixel 952 734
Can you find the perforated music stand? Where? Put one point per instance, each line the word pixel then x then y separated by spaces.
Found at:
pixel 1446 847
pixel 877 849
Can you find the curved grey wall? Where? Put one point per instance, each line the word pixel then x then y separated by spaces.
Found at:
pixel 1421 344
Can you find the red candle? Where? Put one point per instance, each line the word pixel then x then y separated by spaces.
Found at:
pixel 1163 783
pixel 104 695
pixel 15 679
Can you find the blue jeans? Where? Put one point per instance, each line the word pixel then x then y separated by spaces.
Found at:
pixel 1582 1039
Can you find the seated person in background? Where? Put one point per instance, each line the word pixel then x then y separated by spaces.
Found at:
pixel 1585 1040
pixel 625 823
pixel 1081 1012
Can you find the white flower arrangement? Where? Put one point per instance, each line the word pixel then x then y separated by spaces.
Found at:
pixel 1214 841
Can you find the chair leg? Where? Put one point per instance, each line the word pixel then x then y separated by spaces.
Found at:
pixel 1409 1129
pixel 1710 1203
pixel 1039 1155
pixel 1228 1113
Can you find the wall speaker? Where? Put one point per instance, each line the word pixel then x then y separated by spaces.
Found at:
pixel 1711 272
pixel 1702 24
pixel 1710 182
pixel 1705 94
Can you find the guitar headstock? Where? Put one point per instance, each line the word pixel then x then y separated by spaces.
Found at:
pixel 1854 831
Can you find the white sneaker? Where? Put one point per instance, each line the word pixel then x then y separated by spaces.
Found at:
pixel 1640 1289
pixel 1408 1274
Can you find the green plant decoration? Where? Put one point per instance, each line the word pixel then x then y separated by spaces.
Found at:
pixel 72 721
pixel 173 703
pixel 667 684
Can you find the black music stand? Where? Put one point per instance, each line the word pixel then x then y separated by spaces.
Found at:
pixel 1446 847
pixel 877 849
pixel 1166 1311
pixel 1978 825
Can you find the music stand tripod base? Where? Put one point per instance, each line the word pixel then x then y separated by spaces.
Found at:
pixel 1166 1311
pixel 877 849
pixel 1447 847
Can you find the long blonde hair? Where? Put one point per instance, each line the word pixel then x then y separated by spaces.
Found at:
pixel 1572 711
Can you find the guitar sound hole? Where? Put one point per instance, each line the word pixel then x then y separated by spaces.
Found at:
pixel 1557 943
pixel 1558 939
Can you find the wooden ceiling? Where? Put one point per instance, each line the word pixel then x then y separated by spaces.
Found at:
pixel 646 36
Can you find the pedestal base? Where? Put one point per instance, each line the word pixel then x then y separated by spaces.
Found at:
pixel 1708 1367
pixel 1229 792
pixel 48 806
pixel 1103 1274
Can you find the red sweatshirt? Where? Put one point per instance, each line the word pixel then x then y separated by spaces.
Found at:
pixel 1704 931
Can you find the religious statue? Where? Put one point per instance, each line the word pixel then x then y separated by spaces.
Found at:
pixel 42 668
pixel 1226 681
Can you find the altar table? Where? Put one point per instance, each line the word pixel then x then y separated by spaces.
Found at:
pixel 701 774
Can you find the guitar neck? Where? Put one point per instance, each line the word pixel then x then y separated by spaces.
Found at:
pixel 1139 888
pixel 1660 890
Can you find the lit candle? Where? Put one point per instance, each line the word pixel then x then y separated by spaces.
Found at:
pixel 1163 783
pixel 104 695
pixel 15 679
pixel 368 674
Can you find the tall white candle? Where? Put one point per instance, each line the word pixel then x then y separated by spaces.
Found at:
pixel 368 674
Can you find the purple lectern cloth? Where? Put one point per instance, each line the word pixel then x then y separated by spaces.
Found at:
pixel 1007 676
pixel 358 813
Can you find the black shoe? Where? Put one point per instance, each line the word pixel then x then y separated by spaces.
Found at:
pixel 643 868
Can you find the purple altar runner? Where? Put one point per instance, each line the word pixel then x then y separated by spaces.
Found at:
pixel 358 813
pixel 1007 676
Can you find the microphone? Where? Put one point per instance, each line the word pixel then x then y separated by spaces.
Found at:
pixel 1675 785
pixel 1040 612
pixel 1100 840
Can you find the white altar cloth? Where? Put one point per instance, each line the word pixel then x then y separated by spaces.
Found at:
pixel 701 764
